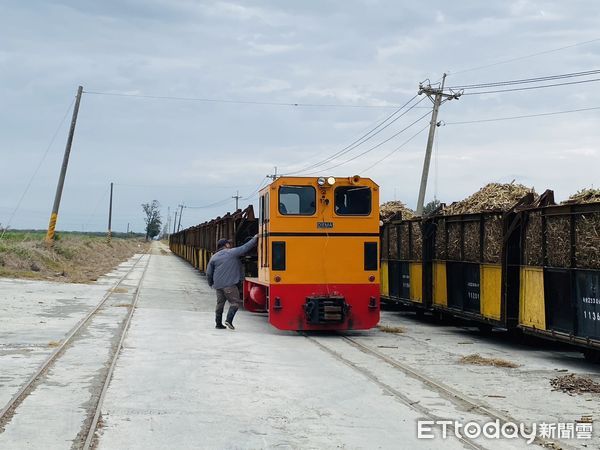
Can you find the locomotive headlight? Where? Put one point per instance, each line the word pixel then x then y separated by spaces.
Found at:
pixel 321 181
pixel 331 181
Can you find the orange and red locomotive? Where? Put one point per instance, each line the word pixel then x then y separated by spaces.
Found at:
pixel 318 254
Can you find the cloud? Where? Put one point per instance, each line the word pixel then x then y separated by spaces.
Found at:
pixel 362 53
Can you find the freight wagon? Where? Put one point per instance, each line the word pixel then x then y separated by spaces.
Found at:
pixel 198 243
pixel 559 275
pixel 406 263
pixel 535 267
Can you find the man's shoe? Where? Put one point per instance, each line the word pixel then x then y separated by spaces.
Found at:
pixel 229 325
pixel 220 326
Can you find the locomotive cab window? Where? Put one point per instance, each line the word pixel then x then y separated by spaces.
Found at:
pixel 353 201
pixel 297 200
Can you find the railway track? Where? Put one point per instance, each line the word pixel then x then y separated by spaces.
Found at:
pixel 461 401
pixel 8 411
pixel 89 439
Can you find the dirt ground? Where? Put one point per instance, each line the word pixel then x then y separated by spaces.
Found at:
pixel 75 258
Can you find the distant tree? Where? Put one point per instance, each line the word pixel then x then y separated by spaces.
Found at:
pixel 431 206
pixel 152 219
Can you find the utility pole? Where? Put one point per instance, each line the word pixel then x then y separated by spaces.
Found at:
pixel 175 222
pixel 180 214
pixel 128 228
pixel 63 171
pixel 437 96
pixel 108 237
pixel 274 176
pixel 168 227
pixel 237 197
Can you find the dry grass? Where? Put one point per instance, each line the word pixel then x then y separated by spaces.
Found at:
pixel 590 195
pixel 587 240
pixel 533 240
pixel 120 290
pixel 479 360
pixel 472 241
pixel 440 239
pixel 389 329
pixel 123 305
pixel 558 244
pixel 53 344
pixel 492 239
pixel 395 210
pixel 74 258
pixel 574 384
pixel 454 241
pixel 404 240
pixel 417 241
pixel 393 248
pixel 492 197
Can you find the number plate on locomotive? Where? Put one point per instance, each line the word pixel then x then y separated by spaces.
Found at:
pixel 324 224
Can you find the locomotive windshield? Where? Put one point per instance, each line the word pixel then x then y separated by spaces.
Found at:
pixel 353 201
pixel 297 200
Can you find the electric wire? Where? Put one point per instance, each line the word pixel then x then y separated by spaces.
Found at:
pixel 374 147
pixel 93 213
pixel 255 191
pixel 35 172
pixel 356 144
pixel 242 102
pixel 532 87
pixel 363 138
pixel 211 205
pixel 520 58
pixel 225 201
pixel 526 80
pixel 396 149
pixel 525 116
pixel 436 166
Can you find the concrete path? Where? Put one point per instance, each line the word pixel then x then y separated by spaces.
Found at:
pixel 180 383
pixel 56 409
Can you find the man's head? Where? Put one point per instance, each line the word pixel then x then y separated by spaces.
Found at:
pixel 223 243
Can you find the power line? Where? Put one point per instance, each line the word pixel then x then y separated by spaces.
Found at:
pixel 528 88
pixel 228 199
pixel 520 58
pixel 211 205
pixel 527 80
pixel 164 186
pixel 242 102
pixel 93 213
pixel 397 148
pixel 374 147
pixel 522 116
pixel 362 139
pixel 255 191
pixel 36 170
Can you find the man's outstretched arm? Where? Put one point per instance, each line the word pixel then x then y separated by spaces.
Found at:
pixel 243 249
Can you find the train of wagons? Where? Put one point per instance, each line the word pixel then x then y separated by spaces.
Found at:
pixel 323 261
pixel 534 268
pixel 316 265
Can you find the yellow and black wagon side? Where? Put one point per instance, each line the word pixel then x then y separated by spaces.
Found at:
pixel 559 275
pixel 406 263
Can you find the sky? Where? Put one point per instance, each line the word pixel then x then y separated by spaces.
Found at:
pixel 208 97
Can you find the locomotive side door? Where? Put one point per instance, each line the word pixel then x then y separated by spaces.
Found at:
pixel 263 236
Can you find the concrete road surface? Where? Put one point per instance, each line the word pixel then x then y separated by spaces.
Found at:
pixel 181 383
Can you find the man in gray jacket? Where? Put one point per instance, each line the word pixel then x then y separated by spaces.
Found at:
pixel 224 272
